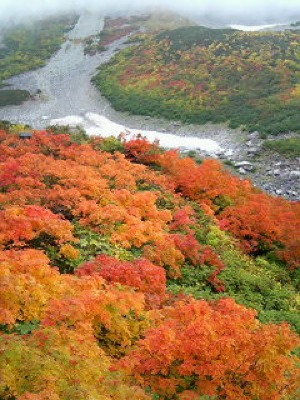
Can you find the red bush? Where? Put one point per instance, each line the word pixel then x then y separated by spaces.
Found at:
pixel 141 274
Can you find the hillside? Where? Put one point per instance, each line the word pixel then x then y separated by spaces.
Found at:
pixel 129 272
pixel 26 47
pixel 117 28
pixel 196 75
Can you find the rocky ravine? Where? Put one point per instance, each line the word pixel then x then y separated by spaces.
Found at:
pixel 66 90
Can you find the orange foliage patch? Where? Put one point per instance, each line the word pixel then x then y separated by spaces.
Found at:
pixel 27 284
pixel 261 222
pixel 19 225
pixel 216 349
pixel 141 274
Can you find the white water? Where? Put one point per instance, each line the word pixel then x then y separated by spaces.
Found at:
pixel 96 124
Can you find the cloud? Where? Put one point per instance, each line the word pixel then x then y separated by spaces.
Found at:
pixel 225 10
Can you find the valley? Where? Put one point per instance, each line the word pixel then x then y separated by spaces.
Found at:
pixel 67 96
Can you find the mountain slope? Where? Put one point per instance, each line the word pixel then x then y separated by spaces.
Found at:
pixel 125 269
pixel 197 74
pixel 27 47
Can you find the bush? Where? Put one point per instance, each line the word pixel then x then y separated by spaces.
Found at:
pixel 288 147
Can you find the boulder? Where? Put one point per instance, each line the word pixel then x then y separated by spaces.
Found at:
pixel 243 164
pixel 253 151
pixel 295 174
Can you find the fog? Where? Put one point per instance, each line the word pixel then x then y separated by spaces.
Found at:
pixel 226 11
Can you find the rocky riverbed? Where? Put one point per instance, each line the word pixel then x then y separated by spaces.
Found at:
pixel 67 95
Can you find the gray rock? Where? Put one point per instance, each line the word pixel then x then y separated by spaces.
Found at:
pixel 276 172
pixel 242 171
pixel 295 174
pixel 249 168
pixel 229 154
pixel 253 151
pixel 253 134
pixel 242 164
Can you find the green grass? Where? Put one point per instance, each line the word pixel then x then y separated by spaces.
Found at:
pixel 289 147
pixel 13 97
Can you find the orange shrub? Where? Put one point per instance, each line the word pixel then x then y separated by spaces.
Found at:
pixel 20 225
pixel 141 274
pixel 27 283
pixel 217 349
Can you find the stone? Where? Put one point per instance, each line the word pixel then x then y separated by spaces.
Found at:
pixel 242 171
pixel 249 168
pixel 295 174
pixel 276 172
pixel 229 154
pixel 253 134
pixel 253 150
pixel 242 164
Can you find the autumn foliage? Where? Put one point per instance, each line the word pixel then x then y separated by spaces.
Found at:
pixel 197 75
pixel 57 363
pixel 20 225
pixel 216 349
pixel 140 274
pixel 27 285
pixel 261 222
pixel 112 329
pixel 264 223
